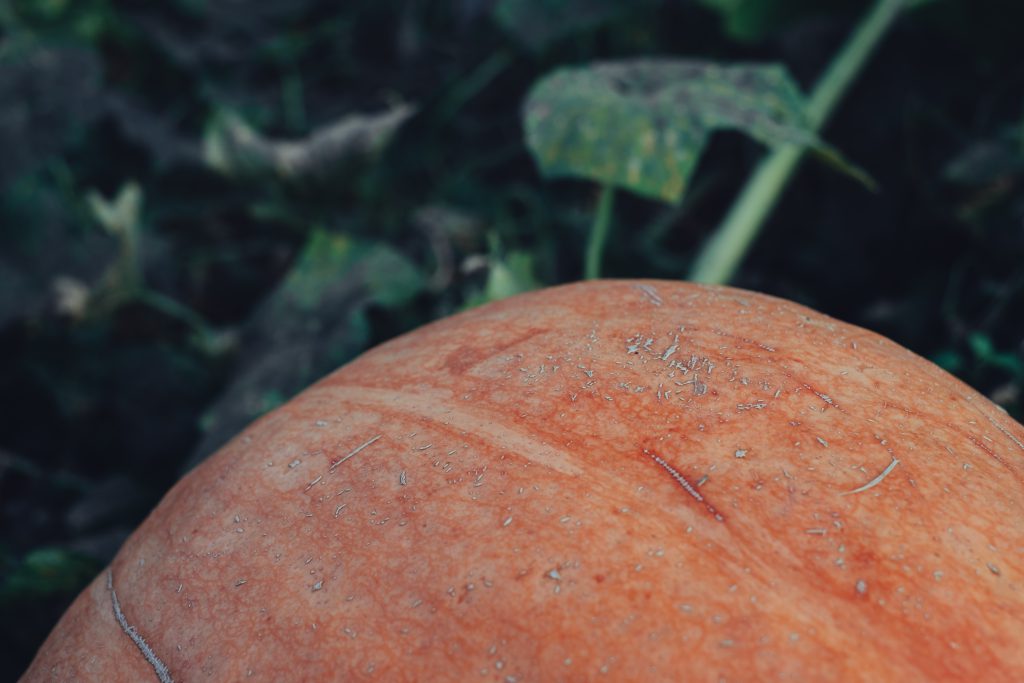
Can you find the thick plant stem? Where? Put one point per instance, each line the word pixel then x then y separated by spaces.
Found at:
pixel 722 255
pixel 599 230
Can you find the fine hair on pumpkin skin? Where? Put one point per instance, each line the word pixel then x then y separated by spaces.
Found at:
pixel 618 480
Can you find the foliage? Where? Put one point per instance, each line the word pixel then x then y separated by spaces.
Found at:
pixel 539 23
pixel 165 276
pixel 46 571
pixel 642 124
pixel 753 20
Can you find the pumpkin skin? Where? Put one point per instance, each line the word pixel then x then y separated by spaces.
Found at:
pixel 617 480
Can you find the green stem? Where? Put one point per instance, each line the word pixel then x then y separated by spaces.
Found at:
pixel 130 258
pixel 61 479
pixel 599 230
pixel 660 227
pixel 468 88
pixel 293 102
pixel 721 256
pixel 178 311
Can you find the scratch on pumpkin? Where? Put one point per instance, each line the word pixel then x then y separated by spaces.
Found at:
pixel 163 674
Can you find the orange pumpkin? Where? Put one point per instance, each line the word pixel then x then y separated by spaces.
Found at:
pixel 623 481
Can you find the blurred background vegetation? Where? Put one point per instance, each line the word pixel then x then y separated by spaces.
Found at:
pixel 207 204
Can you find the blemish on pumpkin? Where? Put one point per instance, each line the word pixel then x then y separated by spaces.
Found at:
pixel 355 451
pixel 163 674
pixel 470 355
pixel 988 450
pixel 683 482
pixel 651 293
pixel 876 481
pixel 829 401
pixel 1006 432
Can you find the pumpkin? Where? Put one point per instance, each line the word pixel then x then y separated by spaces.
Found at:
pixel 628 481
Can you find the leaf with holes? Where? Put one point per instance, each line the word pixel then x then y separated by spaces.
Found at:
pixel 642 124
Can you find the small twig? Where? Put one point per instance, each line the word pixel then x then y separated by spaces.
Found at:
pixel 876 481
pixel 356 450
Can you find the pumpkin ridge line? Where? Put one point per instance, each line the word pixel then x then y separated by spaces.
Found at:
pixel 438 409
pixel 163 674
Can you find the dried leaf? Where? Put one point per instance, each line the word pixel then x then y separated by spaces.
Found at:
pixel 120 215
pixel 234 148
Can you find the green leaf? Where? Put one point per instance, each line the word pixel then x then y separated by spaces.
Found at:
pixel 746 20
pixel 47 571
pixel 984 350
pixel 507 275
pixel 642 124
pixel 316 319
pixel 949 360
pixel 988 161
pixel 326 258
pixel 393 279
pixel 751 21
pixel 510 276
pixel 331 261
pixel 50 95
pixel 538 23
pixel 121 214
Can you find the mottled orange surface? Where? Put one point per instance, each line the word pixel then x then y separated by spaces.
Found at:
pixel 623 481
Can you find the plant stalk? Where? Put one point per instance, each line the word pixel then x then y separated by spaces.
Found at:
pixel 478 79
pixel 723 253
pixel 599 230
